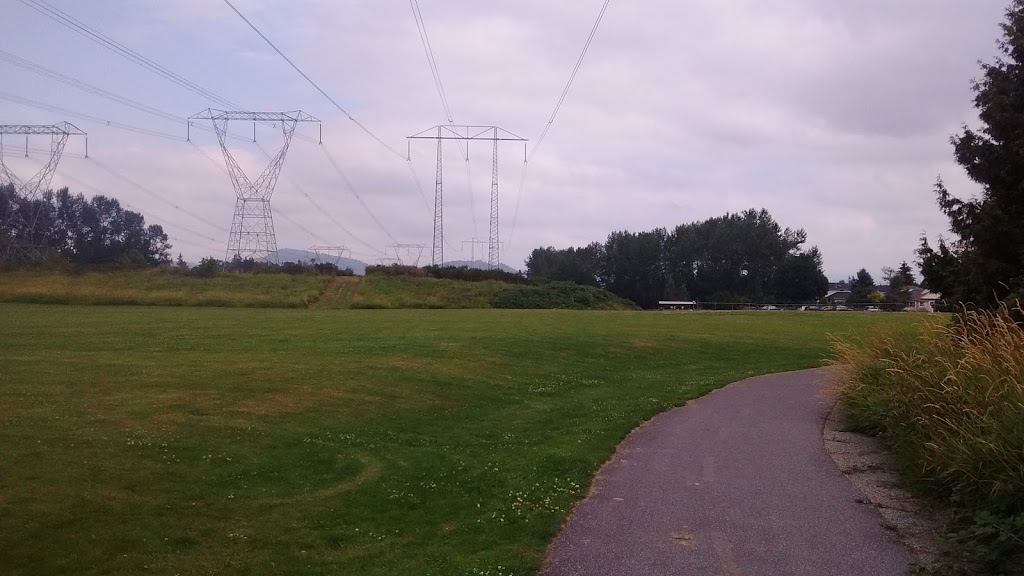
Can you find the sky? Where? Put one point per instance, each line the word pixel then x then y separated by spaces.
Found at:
pixel 834 116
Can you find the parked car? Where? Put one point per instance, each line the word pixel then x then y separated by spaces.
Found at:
pixel 769 307
pixel 842 308
pixel 872 309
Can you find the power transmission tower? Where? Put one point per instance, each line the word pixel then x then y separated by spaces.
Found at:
pixel 407 254
pixel 18 239
pixel 252 227
pixel 466 133
pixel 472 247
pixel 330 254
pixel 480 242
pixel 493 247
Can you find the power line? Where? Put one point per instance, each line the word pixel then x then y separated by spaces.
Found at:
pixel 572 77
pixel 109 43
pixel 554 113
pixel 84 86
pixel 92 89
pixel 109 95
pixel 310 81
pixel 421 27
pixel 323 93
pixel 149 192
pixel 352 189
pixel 323 211
pixel 64 111
pixel 97 191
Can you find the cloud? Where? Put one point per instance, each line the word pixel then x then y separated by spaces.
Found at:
pixel 834 116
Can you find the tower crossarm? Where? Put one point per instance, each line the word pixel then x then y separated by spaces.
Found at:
pixel 292 116
pixel 59 129
pixel 252 229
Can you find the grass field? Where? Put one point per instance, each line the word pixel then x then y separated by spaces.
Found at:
pixel 270 441
pixel 162 288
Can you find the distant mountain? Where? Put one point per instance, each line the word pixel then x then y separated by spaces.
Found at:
pixel 359 267
pixel 304 256
pixel 479 264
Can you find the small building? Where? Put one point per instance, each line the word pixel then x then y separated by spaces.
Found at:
pixel 676 305
pixel 923 300
pixel 837 296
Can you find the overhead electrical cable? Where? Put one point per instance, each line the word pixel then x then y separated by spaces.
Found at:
pixel 97 191
pixel 311 82
pixel 109 43
pixel 159 197
pixel 42 70
pixel 428 50
pixel 334 102
pixel 554 114
pixel 324 212
pixel 58 110
pixel 73 82
pixel 352 189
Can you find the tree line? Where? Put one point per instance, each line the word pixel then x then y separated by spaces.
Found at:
pixel 740 258
pixel 983 264
pixel 95 231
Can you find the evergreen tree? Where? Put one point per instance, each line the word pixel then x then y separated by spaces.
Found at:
pixel 900 280
pixel 984 264
pixel 861 288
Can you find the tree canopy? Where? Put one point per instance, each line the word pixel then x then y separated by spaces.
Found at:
pixel 861 288
pixel 984 263
pixel 744 257
pixel 94 231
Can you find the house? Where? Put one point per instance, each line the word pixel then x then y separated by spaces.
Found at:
pixel 922 300
pixel 676 305
pixel 837 296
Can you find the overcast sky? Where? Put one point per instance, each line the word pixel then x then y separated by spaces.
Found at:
pixel 835 116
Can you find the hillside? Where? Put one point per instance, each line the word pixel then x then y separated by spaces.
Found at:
pixel 304 256
pixel 156 287
pixel 397 292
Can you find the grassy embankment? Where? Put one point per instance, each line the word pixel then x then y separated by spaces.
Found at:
pixel 161 288
pixel 200 440
pixel 949 401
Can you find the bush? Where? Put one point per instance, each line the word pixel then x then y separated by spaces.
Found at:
pixel 208 268
pixel 467 274
pixel 558 295
pixel 949 401
pixel 396 270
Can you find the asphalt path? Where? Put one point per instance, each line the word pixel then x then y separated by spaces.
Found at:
pixel 736 483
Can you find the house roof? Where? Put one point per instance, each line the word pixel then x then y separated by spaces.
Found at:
pixel 919 294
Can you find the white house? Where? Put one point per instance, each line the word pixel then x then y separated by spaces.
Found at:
pixel 922 300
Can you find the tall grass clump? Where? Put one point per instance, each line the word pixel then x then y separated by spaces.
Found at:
pixel 949 401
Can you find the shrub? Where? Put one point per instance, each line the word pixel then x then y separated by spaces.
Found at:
pixel 475 274
pixel 949 401
pixel 395 270
pixel 558 295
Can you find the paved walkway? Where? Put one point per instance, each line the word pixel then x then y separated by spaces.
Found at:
pixel 736 483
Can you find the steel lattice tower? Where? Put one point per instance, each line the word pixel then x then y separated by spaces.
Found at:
pixel 472 132
pixel 28 246
pixel 252 227
pixel 493 244
pixel 437 256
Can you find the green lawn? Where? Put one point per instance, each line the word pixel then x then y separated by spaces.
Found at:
pixel 156 287
pixel 272 441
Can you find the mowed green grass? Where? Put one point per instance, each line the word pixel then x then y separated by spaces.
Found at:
pixel 156 287
pixel 268 441
pixel 398 292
